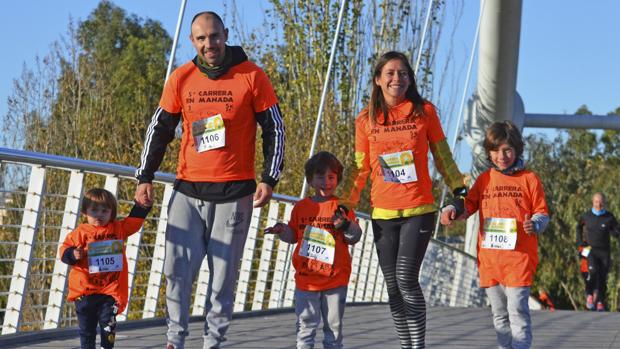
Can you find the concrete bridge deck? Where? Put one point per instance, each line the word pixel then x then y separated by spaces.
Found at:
pixel 366 326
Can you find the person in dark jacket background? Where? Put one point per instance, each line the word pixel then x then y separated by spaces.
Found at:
pixel 593 231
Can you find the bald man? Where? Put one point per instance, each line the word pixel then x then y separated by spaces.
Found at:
pixel 220 97
pixel 593 231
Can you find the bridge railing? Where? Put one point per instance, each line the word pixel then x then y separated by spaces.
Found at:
pixel 40 197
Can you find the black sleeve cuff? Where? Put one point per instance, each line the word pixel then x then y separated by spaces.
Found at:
pixel 138 211
pixel 145 178
pixel 459 205
pixel 269 180
pixel 68 257
pixel 460 191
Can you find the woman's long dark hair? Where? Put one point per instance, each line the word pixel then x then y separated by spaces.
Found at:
pixel 377 103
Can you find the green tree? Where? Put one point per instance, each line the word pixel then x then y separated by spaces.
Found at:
pixel 572 167
pixel 91 98
pixel 294 51
pixel 104 81
pixel 93 95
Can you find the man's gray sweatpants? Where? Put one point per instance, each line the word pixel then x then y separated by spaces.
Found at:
pixel 197 228
pixel 511 316
pixel 310 307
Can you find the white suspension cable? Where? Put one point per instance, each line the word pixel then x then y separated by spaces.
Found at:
pixel 467 79
pixel 324 93
pixel 176 38
pixel 426 21
pixel 458 122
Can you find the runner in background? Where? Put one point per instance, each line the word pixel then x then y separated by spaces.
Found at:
pixel 593 231
pixel 545 299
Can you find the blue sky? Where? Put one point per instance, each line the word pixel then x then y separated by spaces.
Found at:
pixel 569 56
pixel 569 52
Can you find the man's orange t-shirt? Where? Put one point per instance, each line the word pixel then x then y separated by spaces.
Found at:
pixel 312 274
pixel 237 96
pixel 496 195
pixel 115 284
pixel 398 135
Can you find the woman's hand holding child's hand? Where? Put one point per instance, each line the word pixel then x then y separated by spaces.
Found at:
pixel 448 214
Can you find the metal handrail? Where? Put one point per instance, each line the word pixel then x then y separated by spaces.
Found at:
pixel 63 162
pixel 448 275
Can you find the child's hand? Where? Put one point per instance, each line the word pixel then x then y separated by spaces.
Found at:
pixel 276 229
pixel 528 225
pixel 340 218
pixel 144 194
pixel 79 253
pixel 448 214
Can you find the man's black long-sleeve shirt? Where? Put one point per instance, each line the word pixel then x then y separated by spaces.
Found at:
pixel 594 230
pixel 163 124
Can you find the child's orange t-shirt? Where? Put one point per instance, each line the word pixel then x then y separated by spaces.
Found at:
pixel 114 283
pixel 496 195
pixel 312 273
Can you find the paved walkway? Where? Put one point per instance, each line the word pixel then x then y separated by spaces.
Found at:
pixel 366 326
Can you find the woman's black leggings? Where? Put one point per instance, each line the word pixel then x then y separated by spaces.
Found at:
pixel 401 244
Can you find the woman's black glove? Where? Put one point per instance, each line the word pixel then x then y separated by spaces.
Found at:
pixel 340 218
pixel 459 200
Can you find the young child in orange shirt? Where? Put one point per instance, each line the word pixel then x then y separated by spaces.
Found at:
pixel 322 229
pixel 98 277
pixel 510 201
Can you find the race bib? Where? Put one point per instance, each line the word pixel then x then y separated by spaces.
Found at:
pixel 500 233
pixel 209 133
pixel 318 244
pixel 585 252
pixel 398 167
pixel 105 256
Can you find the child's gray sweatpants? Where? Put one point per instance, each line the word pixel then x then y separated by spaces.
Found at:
pixel 310 307
pixel 197 228
pixel 511 316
